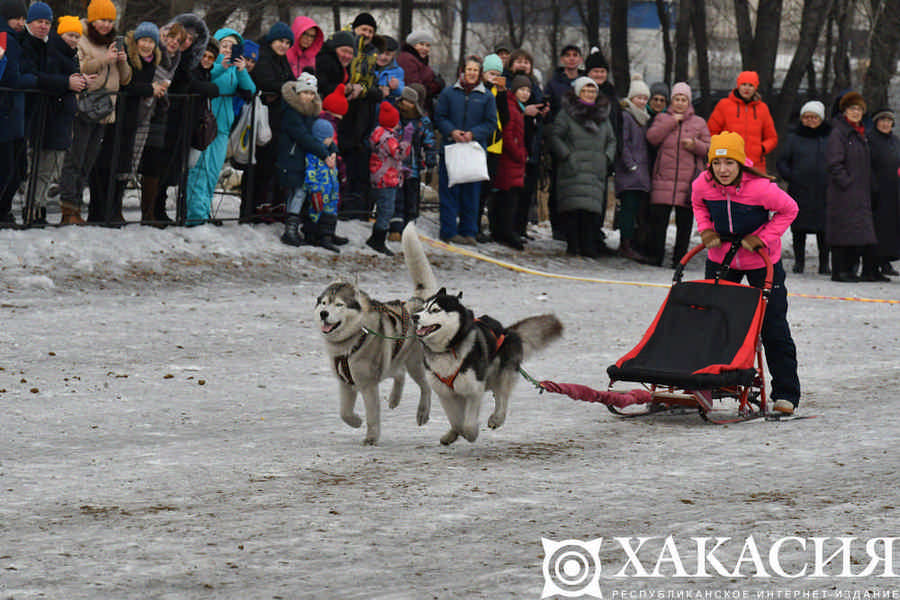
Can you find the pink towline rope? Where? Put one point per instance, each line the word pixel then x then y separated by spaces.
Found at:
pixel 610 398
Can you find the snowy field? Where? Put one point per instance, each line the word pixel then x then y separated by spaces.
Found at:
pixel 170 430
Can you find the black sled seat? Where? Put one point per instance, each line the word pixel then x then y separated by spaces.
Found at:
pixel 704 337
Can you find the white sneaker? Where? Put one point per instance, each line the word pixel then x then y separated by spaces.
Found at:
pixel 785 407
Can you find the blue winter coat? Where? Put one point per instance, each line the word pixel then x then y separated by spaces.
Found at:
pixel 52 63
pixel 228 80
pixel 295 139
pixel 423 152
pixel 12 104
pixel 383 77
pixel 475 112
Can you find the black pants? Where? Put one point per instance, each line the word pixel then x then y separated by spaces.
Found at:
pixel 355 200
pixel 505 216
pixel 781 353
pixel 12 172
pixel 406 207
pixel 659 226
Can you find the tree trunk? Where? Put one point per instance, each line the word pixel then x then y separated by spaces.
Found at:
pixel 463 31
pixel 406 18
pixel 336 16
pixel 765 43
pixel 815 13
pixel 683 39
pixel 593 24
pixel 701 43
pixel 882 54
pixel 665 25
pixel 618 42
pixel 842 77
pixel 744 32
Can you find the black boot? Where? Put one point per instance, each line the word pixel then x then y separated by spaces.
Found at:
pixel 291 235
pixel 841 266
pixel 888 269
pixel 799 252
pixel 588 238
pixel 376 242
pixel 326 226
pixel 823 262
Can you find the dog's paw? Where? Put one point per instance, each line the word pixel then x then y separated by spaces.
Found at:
pixel 353 420
pixel 470 433
pixel 394 401
pixel 423 414
pixel 449 437
pixel 370 440
pixel 496 420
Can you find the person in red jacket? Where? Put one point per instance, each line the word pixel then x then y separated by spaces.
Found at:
pixel 744 112
pixel 509 179
pixel 733 199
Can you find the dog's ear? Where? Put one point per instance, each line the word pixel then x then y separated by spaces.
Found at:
pixel 459 296
pixel 441 292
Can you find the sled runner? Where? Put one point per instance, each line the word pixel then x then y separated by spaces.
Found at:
pixel 703 346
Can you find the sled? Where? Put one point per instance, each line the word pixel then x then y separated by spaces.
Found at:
pixel 704 347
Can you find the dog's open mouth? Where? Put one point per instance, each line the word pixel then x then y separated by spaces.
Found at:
pixel 329 327
pixel 427 330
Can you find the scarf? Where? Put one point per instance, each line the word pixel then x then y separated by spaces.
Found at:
pixel 858 127
pixel 641 116
pixel 466 86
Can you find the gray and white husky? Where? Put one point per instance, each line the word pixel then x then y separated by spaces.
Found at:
pixel 465 357
pixel 369 341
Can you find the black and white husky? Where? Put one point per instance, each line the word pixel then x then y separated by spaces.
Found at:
pixel 465 357
pixel 369 341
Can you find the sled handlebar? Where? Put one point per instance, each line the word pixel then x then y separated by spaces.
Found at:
pixel 726 262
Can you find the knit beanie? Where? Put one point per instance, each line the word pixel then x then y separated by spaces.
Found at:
pixel 342 38
pixel 280 31
pixel 322 129
pixel 659 89
pixel 727 144
pixel 388 117
pixel 13 9
pixel 364 18
pixel 492 62
pixel 596 60
pixel 212 45
pixel 683 89
pixel 851 99
pixel 751 77
pixel 251 50
pixel 520 81
pixel 883 113
pixel 569 47
pixel 389 44
pixel 147 30
pixel 581 82
pixel 815 107
pixel 411 95
pixel 419 37
pixel 638 87
pixel 101 9
pixel 39 10
pixel 69 24
pixel 307 82
pixel 336 102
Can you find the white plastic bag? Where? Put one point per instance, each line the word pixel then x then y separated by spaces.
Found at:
pixel 241 145
pixel 466 162
pixel 263 131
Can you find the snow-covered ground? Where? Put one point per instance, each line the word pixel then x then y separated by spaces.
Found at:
pixel 170 429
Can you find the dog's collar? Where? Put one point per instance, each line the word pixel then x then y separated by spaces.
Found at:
pixel 342 362
pixel 450 379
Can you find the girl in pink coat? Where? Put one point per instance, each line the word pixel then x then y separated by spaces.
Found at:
pixel 308 40
pixel 734 199
pixel 682 139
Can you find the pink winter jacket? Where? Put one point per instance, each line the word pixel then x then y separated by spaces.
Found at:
pixel 298 58
pixel 742 210
pixel 676 166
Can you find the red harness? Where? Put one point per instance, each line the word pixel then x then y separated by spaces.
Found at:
pixel 448 381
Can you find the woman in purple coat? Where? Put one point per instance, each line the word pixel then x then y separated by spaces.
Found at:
pixel 633 167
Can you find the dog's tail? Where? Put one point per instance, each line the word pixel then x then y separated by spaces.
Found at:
pixel 424 282
pixel 537 332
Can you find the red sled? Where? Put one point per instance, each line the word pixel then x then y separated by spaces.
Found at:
pixel 703 346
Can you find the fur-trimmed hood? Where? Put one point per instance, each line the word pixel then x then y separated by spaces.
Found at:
pixel 589 116
pixel 292 98
pixel 134 59
pixel 194 23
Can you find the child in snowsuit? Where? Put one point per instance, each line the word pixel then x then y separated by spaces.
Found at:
pixel 732 198
pixel 390 146
pixel 322 191
pixel 422 155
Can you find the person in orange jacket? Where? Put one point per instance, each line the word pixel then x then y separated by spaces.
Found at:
pixel 744 112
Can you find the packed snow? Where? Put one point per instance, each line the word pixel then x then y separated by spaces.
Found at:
pixel 171 430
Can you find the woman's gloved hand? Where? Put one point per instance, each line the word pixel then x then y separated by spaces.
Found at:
pixel 752 243
pixel 710 238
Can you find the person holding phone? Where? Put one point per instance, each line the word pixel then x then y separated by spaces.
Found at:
pixel 98 55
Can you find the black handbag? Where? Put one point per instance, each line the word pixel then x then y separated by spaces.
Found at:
pixel 206 130
pixel 95 105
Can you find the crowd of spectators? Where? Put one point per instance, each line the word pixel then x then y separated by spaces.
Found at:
pixel 356 121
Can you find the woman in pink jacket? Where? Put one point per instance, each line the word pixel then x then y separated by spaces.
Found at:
pixel 308 40
pixel 733 199
pixel 682 139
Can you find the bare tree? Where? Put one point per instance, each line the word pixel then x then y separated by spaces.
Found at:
pixel 701 44
pixel 662 12
pixel 815 14
pixel 842 16
pixel 618 45
pixel 759 45
pixel 683 39
pixel 883 52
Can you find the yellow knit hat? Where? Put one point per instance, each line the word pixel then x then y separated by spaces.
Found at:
pixel 69 24
pixel 727 144
pixel 101 9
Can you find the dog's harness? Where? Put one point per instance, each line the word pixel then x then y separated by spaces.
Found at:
pixel 398 311
pixel 450 379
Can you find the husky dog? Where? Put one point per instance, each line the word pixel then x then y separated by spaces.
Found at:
pixel 369 341
pixel 465 356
